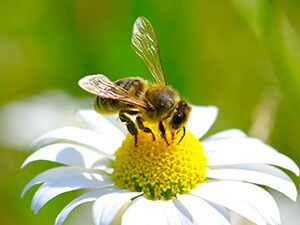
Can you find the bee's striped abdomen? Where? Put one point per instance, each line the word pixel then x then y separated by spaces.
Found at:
pixel 135 87
pixel 106 106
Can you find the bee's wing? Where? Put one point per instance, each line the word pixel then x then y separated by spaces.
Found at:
pixel 144 43
pixel 101 86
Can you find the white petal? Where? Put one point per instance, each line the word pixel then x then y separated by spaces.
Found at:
pixel 69 154
pixel 201 119
pixel 107 144
pixel 66 183
pixel 245 151
pixel 51 173
pixel 109 203
pixel 106 125
pixel 183 216
pixel 87 197
pixel 231 133
pixel 248 200
pixel 204 212
pixel 142 211
pixel 259 174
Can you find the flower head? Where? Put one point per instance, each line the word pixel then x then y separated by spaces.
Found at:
pixel 190 182
pixel 158 170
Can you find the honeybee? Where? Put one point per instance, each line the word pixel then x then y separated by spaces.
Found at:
pixel 151 102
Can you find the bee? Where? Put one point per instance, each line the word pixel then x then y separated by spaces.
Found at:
pixel 151 102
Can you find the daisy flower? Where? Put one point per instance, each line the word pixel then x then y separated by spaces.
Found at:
pixel 184 183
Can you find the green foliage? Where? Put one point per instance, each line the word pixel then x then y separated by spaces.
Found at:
pixel 241 55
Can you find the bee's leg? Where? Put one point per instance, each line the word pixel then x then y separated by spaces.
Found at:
pixel 182 135
pixel 145 129
pixel 130 125
pixel 163 131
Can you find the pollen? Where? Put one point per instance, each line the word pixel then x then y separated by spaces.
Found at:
pixel 157 169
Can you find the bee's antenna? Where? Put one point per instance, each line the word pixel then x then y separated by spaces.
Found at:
pixel 182 135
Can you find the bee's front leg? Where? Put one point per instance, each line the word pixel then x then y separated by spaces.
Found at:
pixel 143 128
pixel 163 131
pixel 130 125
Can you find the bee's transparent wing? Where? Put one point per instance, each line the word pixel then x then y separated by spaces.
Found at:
pixel 101 86
pixel 144 43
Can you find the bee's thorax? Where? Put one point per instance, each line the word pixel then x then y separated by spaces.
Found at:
pixel 160 100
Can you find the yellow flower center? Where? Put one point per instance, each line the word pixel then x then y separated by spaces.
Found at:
pixel 159 170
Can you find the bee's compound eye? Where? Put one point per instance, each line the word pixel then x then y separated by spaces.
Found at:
pixel 177 120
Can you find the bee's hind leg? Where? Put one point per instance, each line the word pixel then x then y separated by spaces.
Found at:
pixel 163 131
pixel 130 125
pixel 143 128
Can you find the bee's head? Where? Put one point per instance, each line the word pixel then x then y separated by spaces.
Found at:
pixel 179 116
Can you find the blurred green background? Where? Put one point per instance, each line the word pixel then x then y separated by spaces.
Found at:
pixel 240 55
